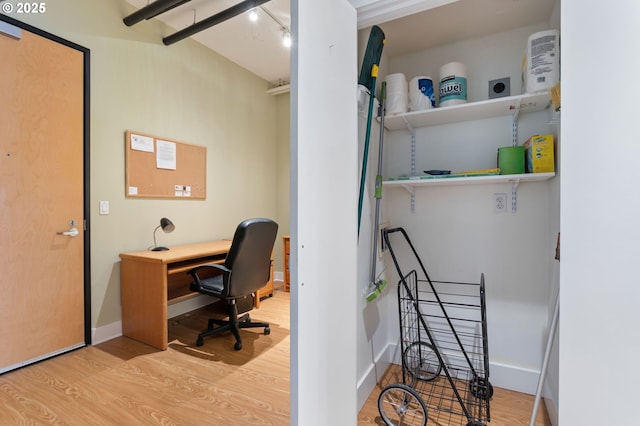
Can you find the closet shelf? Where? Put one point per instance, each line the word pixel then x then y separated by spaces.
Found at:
pixel 510 105
pixel 408 183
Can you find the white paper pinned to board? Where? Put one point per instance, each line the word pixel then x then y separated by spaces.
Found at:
pixel 165 155
pixel 141 143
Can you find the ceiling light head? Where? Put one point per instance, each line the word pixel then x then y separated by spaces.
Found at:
pixel 253 15
pixel 286 38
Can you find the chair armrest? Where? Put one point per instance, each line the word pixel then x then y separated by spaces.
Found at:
pixel 217 266
pixel 194 272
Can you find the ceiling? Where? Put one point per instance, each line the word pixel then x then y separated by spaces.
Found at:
pixel 257 46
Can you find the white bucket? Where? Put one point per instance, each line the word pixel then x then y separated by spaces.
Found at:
pixel 453 84
pixel 541 61
pixel 397 94
pixel 363 102
pixel 421 94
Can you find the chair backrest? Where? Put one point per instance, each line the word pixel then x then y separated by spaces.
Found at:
pixel 249 257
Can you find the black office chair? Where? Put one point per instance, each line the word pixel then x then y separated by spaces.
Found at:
pixel 246 269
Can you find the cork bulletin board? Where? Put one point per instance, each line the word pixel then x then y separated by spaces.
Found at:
pixel 157 167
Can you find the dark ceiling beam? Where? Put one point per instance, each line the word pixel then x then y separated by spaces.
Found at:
pixel 151 10
pixel 212 20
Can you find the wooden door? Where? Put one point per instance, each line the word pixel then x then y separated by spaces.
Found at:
pixel 42 154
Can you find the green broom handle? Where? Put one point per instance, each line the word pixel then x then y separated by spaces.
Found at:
pixel 363 173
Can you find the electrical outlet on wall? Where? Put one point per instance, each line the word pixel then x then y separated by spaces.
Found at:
pixel 500 203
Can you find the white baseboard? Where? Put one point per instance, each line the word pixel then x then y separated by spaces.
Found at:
pixel 368 381
pixel 514 378
pixel 106 332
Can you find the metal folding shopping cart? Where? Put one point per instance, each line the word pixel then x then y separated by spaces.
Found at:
pixel 443 341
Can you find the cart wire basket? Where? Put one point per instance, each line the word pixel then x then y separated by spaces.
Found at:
pixel 443 341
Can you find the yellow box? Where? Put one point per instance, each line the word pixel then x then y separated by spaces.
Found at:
pixel 539 154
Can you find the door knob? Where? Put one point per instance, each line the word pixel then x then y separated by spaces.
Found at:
pixel 73 232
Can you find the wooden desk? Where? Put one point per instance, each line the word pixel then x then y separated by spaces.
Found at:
pixel 151 280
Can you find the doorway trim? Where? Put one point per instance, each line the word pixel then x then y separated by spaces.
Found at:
pixel 85 159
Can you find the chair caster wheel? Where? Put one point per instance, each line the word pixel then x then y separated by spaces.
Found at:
pixel 237 346
pixel 267 331
pixel 200 341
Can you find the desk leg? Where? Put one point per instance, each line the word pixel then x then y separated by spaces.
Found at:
pixel 144 302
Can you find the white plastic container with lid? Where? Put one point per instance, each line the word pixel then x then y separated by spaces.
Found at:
pixel 541 61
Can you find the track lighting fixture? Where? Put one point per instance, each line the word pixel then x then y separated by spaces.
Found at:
pixel 286 33
pixel 286 38
pixel 158 7
pixel 212 20
pixel 253 15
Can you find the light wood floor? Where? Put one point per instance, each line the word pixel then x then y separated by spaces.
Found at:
pixel 123 382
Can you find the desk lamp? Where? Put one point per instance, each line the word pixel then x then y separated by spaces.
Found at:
pixel 167 226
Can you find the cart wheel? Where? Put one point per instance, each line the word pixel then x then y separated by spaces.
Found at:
pixel 399 404
pixel 481 388
pixel 422 361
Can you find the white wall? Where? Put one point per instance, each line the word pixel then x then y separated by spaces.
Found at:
pixel 283 171
pixel 454 228
pixel 323 217
pixel 599 284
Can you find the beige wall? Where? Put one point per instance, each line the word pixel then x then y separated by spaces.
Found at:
pixel 283 171
pixel 183 92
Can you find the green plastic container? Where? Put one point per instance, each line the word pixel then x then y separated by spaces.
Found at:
pixel 511 160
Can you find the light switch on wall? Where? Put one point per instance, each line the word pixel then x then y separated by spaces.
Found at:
pixel 104 207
